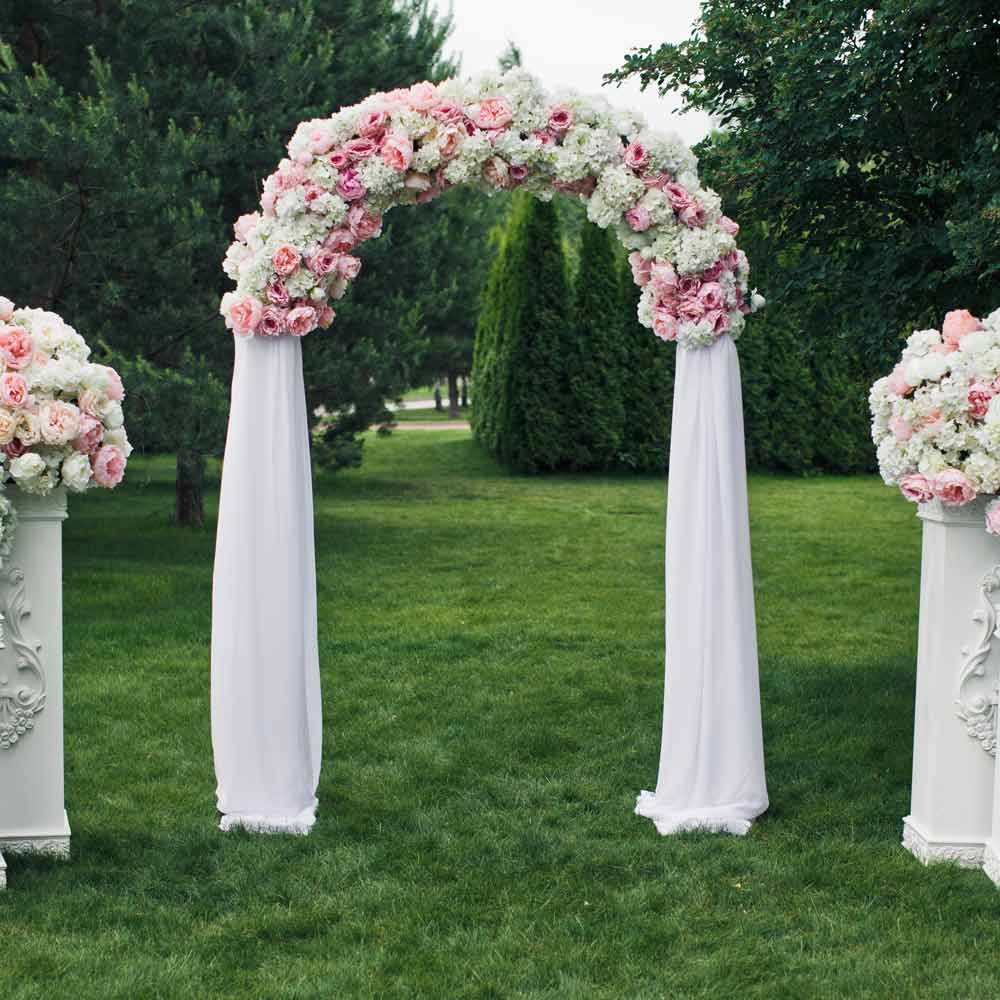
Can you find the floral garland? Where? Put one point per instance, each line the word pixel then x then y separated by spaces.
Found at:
pixel 498 132
pixel 936 417
pixel 61 420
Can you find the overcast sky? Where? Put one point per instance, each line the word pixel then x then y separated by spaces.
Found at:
pixel 573 43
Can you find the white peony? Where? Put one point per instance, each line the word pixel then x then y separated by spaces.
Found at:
pixel 75 472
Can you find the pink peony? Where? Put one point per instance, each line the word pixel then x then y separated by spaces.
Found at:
pixel 285 260
pixel 545 137
pixel 492 113
pixel 58 422
pixel 693 215
pixel 720 321
pixel 636 155
pixel 13 389
pixel 397 151
pixel 952 488
pixel 560 119
pixel 713 273
pixel 349 267
pixel 109 466
pixel 638 218
pixel 665 279
pixel 243 317
pixel 88 434
pixel 641 268
pixel 687 286
pixel 979 400
pixel 664 324
pixel 326 317
pixel 17 347
pixel 916 488
pixel 6 309
pixel 245 225
pixel 323 261
pixel 273 321
pixel 958 324
pixel 114 389
pixel 339 160
pixel 901 429
pixel 276 292
pixel 446 111
pixel 690 309
pixel 373 124
pixel 301 320
pixel 896 382
pixel 423 96
pixel 349 186
pixel 711 295
pixel 449 140
pixel 341 240
pixel 360 149
pixel 363 224
pixel 728 226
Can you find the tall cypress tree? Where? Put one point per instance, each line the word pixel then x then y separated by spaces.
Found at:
pixel 647 385
pixel 523 401
pixel 598 355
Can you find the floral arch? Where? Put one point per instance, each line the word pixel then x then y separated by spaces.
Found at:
pixel 293 259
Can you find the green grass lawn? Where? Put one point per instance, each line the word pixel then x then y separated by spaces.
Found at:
pixel 491 648
pixel 409 415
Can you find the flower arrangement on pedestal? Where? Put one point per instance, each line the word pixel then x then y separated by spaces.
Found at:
pixel 498 132
pixel 61 418
pixel 936 417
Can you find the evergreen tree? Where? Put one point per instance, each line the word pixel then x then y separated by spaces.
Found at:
pixel 647 384
pixel 598 355
pixel 523 410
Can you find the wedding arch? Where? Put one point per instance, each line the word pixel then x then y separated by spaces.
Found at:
pixel 293 258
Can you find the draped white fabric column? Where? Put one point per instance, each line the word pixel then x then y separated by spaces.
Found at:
pixel 266 711
pixel 711 772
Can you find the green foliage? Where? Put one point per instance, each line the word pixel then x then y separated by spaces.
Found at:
pixel 597 356
pixel 523 409
pixel 860 157
pixel 647 383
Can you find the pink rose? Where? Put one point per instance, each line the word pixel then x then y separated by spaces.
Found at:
pixel 423 96
pixel 665 279
pixel 638 218
pixel 693 215
pixel 272 322
pixel 690 309
pixel 518 172
pixel 656 180
pixel 713 273
pixel 6 309
pixel 901 429
pixel 341 240
pixel 109 466
pixel 636 155
pixel 545 137
pixel 397 151
pixel 323 261
pixel 728 226
pixel 447 111
pixel 349 186
pixel 114 389
pixel 711 295
pixel 687 286
pixel 959 323
pixel 320 141
pixel 979 400
pixel 363 224
pixel 896 382
pixel 17 347
pixel 373 124
pixel 326 317
pixel 244 316
pixel 285 260
pixel 360 149
pixel 301 320
pixel 492 113
pixel 348 267
pixel 679 197
pixel 449 140
pixel 245 225
pixel 339 160
pixel 664 324
pixel 952 488
pixel 560 119
pixel 276 292
pixel 916 488
pixel 88 434
pixel 993 518
pixel 58 422
pixel 15 449
pixel 720 321
pixel 13 390
pixel 641 268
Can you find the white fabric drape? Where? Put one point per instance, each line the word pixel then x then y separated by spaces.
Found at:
pixel 266 711
pixel 711 773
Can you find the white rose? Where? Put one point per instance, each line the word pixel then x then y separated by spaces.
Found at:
pixel 27 466
pixel 76 472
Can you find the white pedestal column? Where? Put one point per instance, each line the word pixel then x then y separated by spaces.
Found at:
pixel 32 810
pixel 954 732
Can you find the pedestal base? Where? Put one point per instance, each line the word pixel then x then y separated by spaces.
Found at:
pixel 929 850
pixel 49 843
pixel 991 861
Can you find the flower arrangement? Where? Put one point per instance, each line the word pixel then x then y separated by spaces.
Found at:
pixel 294 257
pixel 61 418
pixel 936 416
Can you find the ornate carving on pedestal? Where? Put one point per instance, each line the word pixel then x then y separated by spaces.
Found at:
pixel 931 852
pixel 50 847
pixel 22 691
pixel 978 679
